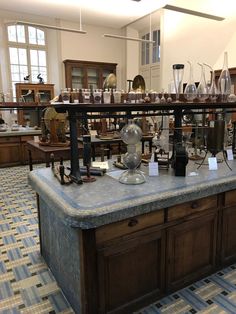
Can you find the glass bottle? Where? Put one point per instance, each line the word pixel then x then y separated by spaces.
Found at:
pixel 190 90
pixel 224 82
pixel 202 90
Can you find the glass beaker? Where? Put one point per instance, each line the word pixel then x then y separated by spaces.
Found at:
pixel 190 90
pixel 178 72
pixel 213 90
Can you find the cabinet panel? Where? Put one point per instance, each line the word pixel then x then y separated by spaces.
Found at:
pixel 228 251
pixel 230 198
pixel 191 248
pixel 10 154
pixel 130 272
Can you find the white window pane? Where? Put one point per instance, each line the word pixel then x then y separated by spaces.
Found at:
pixel 20 33
pixel 23 71
pixel 42 57
pixel 34 57
pixel 40 37
pixel 13 55
pixel 34 73
pixel 32 35
pixel 14 68
pixel 15 77
pixel 22 56
pixel 43 72
pixel 11 30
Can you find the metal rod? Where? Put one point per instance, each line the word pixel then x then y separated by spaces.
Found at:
pixel 72 30
pixel 128 38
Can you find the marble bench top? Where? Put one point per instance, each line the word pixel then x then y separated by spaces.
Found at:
pixel 105 201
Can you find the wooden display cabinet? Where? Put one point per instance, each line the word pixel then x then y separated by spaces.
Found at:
pixel 36 93
pixel 84 74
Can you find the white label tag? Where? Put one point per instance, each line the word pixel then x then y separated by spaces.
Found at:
pixel 100 164
pixel 153 169
pixel 212 161
pixel 36 139
pixel 230 155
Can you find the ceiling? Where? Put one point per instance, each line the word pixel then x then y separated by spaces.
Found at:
pixel 112 13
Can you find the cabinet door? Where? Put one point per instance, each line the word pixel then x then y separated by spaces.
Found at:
pixel 130 272
pixel 191 248
pixel 228 251
pixel 10 153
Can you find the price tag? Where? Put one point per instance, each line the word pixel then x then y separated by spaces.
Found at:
pixel 230 155
pixel 153 169
pixel 212 161
pixel 100 164
pixel 36 139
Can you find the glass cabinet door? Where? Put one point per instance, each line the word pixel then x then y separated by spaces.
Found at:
pixel 93 78
pixel 77 77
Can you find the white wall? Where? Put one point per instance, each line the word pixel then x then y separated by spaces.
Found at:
pixel 187 37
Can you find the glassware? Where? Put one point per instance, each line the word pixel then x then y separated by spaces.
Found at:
pixel 131 134
pixel 117 96
pixel 86 93
pixel 106 96
pixel 213 90
pixel 224 82
pixel 65 94
pixel 97 95
pixel 190 90
pixel 178 72
pixel 202 90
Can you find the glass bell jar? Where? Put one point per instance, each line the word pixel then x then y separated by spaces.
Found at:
pixel 190 91
pixel 131 134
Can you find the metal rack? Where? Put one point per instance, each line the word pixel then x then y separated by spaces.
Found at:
pixel 125 110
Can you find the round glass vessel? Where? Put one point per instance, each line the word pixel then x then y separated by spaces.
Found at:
pixel 131 134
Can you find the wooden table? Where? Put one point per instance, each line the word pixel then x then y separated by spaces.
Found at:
pixel 46 151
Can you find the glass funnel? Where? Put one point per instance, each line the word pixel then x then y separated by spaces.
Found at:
pixel 178 72
pixel 190 91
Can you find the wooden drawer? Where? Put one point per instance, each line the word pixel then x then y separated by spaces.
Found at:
pixel 189 208
pixel 129 226
pixel 10 139
pixel 27 138
pixel 230 198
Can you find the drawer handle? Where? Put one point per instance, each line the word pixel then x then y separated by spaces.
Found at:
pixel 194 205
pixel 133 222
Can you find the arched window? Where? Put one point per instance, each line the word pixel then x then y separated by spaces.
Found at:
pixel 27 54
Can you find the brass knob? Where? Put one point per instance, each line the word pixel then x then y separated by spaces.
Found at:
pixel 133 222
pixel 194 205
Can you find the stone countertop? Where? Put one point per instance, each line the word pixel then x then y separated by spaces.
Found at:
pixel 106 200
pixel 20 132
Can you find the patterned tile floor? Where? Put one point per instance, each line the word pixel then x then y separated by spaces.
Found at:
pixel 27 286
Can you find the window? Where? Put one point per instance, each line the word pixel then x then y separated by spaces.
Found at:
pixel 27 53
pixel 153 54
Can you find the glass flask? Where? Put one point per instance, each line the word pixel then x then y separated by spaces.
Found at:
pixel 224 82
pixel 178 72
pixel 213 90
pixel 190 91
pixel 131 134
pixel 202 90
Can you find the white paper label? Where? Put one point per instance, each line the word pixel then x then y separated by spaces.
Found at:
pixel 100 164
pixel 230 155
pixel 36 139
pixel 153 169
pixel 212 161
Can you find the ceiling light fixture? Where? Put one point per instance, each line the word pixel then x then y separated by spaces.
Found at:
pixel 58 28
pixel 129 38
pixel 196 13
pixel 72 30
